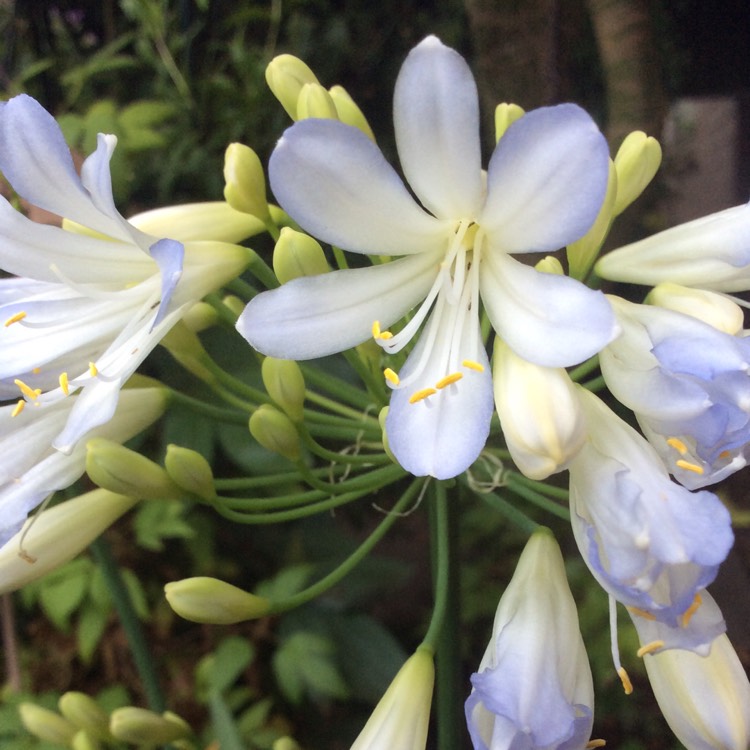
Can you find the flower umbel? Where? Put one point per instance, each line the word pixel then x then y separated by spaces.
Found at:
pixel 545 184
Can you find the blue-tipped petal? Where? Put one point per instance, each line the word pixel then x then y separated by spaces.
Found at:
pixel 546 181
pixel 320 315
pixel 169 256
pixel 548 319
pixel 436 117
pixel 335 182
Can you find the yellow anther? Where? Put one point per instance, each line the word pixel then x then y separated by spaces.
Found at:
pixel 15 318
pixel 689 467
pixel 18 408
pixel 391 376
pixel 725 454
pixel 591 744
pixel 378 334
pixel 649 648
pixel 31 393
pixel 92 370
pixel 36 370
pixel 625 679
pixel 678 445
pixel 691 610
pixel 63 380
pixel 448 379
pixel 641 613
pixel 421 395
pixel 472 365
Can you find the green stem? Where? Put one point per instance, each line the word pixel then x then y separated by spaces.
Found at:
pixel 263 272
pixel 541 501
pixel 233 384
pixel 142 657
pixel 337 408
pixel 341 388
pixel 546 489
pixel 346 458
pixel 595 384
pixel 510 512
pixel 268 480
pixel 584 368
pixel 440 546
pixel 242 289
pixel 372 480
pixel 354 559
pixel 218 413
pixel 224 313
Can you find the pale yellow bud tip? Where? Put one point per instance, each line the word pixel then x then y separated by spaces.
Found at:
pixel 211 601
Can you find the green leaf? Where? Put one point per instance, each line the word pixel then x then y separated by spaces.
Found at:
pixel 228 662
pixel 62 592
pixel 159 520
pixel 144 114
pixel 91 625
pixel 287 582
pixel 225 730
pixel 135 591
pixel 305 665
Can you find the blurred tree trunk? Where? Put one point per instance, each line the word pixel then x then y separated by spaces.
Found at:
pixel 632 70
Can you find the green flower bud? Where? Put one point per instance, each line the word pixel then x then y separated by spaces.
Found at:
pixel 637 161
pixel 245 181
pixel 234 303
pixel 315 101
pixel 189 470
pixel 275 432
pixel 349 112
pixel 57 535
pixel 285 384
pixel 82 740
pixel 505 116
pixel 550 264
pixel 381 419
pixel 46 724
pixel 286 743
pixel 583 252
pixel 285 76
pixel 200 317
pixel 211 601
pixel 85 713
pixel 141 726
pixel 711 307
pixel 116 468
pixel 297 254
pixel 184 345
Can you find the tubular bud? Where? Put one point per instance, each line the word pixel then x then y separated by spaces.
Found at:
pixel 200 317
pixel 82 740
pixel 245 182
pixel 211 601
pixel 275 432
pixel 297 254
pixel 505 115
pixel 116 468
pixel 189 470
pixel 285 76
pixel 184 345
pixel 285 384
pixel 141 726
pixel 85 713
pixel 46 724
pixel 348 111
pixel 315 101
pixel 637 161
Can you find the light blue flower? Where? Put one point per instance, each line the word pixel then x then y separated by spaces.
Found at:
pixel 650 543
pixel 533 689
pixel 87 305
pixel 544 186
pixel 689 386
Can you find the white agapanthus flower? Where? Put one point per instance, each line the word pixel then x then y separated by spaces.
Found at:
pixel 85 307
pixel 543 189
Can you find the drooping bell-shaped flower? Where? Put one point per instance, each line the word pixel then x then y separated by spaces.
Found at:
pixel 533 689
pixel 31 469
pixel 688 384
pixel 88 305
pixel 651 543
pixel 545 183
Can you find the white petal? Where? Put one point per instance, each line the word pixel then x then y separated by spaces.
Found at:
pixel 334 181
pixel 319 315
pixel 443 434
pixel 436 117
pixel 546 181
pixel 547 319
pixel 36 161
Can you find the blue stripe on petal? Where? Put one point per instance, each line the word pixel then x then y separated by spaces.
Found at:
pixel 169 255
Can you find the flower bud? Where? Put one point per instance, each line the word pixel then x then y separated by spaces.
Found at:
pixel 82 740
pixel 550 264
pixel 116 468
pixel 141 726
pixel 85 713
pixel 705 699
pixel 45 724
pixel 285 743
pixel 297 254
pixel 211 601
pixel 539 413
pixel 56 535
pixel 275 432
pixel 184 345
pixel 285 76
pixel 715 309
pixel 189 470
pixel 583 252
pixel 200 317
pixel 505 116
pixel 382 416
pixel 637 161
pixel 234 303
pixel 216 221
pixel 285 384
pixel 401 718
pixel 315 101
pixel 245 182
pixel 348 111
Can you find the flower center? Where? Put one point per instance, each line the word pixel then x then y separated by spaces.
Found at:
pixel 450 342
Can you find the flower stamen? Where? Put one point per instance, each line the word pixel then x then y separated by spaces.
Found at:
pixel 421 395
pixel 32 394
pixel 691 610
pixel 92 370
pixel 15 318
pixel 18 408
pixel 678 445
pixel 591 744
pixel 641 613
pixel 681 464
pixel 472 365
pixel 63 380
pixel 649 648
pixel 379 335
pixel 627 685
pixel 448 380
pixel 391 376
